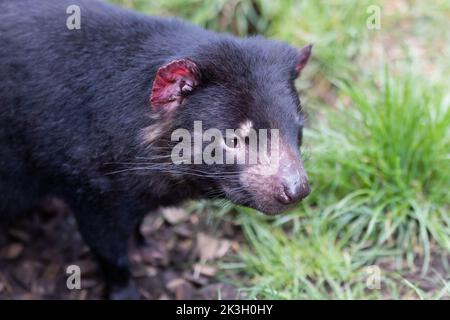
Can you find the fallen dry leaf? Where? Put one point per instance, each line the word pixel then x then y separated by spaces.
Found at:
pixel 204 269
pixel 199 280
pixel 155 255
pixel 182 289
pixel 174 215
pixel 12 251
pixel 183 230
pixel 142 270
pixel 151 224
pixel 172 284
pixel 210 247
pixel 235 246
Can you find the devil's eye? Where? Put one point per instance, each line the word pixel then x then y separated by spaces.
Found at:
pixel 235 142
pixel 232 143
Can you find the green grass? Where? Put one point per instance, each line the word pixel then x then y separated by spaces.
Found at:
pixel 377 149
pixel 380 171
pixel 391 157
pixel 311 263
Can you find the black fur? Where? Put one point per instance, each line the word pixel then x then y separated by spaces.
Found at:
pixel 74 104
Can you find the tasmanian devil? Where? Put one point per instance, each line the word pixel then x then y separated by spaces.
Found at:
pixel 88 112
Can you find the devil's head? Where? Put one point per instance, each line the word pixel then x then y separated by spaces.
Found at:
pixel 245 87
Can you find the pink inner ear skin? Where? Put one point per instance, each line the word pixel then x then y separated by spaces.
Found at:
pixel 171 81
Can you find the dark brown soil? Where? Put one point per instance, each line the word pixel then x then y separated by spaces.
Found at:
pixel 177 263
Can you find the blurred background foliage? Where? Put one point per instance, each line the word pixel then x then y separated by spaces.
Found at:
pixel 377 149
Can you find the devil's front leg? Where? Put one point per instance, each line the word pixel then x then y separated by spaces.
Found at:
pixel 106 228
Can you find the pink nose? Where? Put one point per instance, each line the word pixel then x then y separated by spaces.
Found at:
pixel 292 192
pixel 293 185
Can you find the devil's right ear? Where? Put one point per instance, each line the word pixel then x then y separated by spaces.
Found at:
pixel 173 82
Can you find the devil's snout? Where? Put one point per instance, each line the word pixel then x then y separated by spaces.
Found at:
pixel 293 183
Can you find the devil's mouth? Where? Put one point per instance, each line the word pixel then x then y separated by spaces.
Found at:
pixel 246 199
pixel 271 208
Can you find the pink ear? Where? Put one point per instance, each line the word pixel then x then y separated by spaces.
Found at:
pixel 303 58
pixel 172 82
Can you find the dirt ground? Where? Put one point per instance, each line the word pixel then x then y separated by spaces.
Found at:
pixel 178 263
